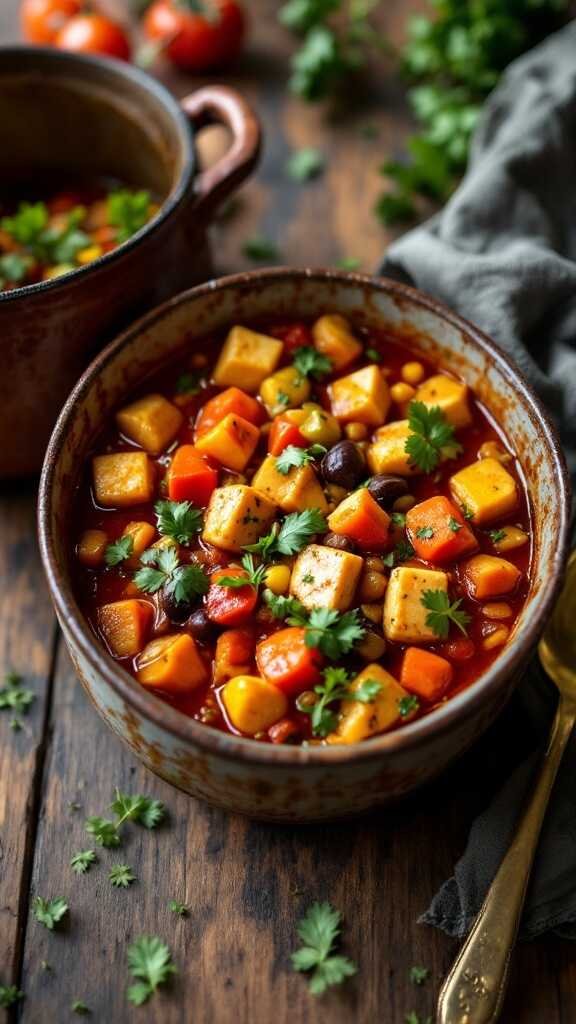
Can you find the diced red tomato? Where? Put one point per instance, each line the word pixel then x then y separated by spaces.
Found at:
pixel 294 336
pixel 230 606
pixel 285 660
pixel 190 476
pixel 282 433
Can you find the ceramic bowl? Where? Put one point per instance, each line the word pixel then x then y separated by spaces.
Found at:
pixel 61 113
pixel 283 783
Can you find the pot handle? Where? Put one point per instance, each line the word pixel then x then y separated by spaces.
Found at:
pixel 218 104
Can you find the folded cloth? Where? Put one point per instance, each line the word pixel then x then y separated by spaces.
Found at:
pixel 503 254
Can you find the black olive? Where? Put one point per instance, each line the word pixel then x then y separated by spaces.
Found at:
pixel 177 611
pixel 336 540
pixel 386 489
pixel 344 465
pixel 200 626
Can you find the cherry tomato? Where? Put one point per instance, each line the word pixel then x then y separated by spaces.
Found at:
pixel 193 41
pixel 93 33
pixel 42 20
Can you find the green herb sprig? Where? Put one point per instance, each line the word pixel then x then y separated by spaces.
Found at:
pixel 150 962
pixel 293 457
pixel 431 437
pixel 335 687
pixel 441 613
pixel 319 931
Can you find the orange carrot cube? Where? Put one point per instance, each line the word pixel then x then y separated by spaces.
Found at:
pixel 171 663
pixel 190 476
pixel 360 518
pixel 438 531
pixel 425 674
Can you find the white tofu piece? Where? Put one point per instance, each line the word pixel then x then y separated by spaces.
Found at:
pixel 486 490
pixel 388 453
pixel 237 515
pixel 404 614
pixel 451 396
pixel 325 577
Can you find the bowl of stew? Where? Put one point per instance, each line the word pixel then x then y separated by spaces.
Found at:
pixel 103 214
pixel 302 530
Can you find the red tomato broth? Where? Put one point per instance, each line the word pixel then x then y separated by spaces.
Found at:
pixel 96 587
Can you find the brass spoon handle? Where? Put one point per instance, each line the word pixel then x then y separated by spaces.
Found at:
pixel 474 990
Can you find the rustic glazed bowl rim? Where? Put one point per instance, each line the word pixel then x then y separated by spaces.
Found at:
pixel 177 193
pixel 165 717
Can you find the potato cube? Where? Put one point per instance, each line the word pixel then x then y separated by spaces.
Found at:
pixel 361 397
pixel 325 577
pixel 91 548
pixel 358 721
pixel 486 490
pixel 334 339
pixel 451 396
pixel 489 576
pixel 510 538
pixel 246 359
pixel 293 491
pixel 152 422
pixel 404 614
pixel 237 515
pixel 124 625
pixel 252 704
pixel 142 535
pixel 285 389
pixel 387 454
pixel 232 442
pixel 123 479
pixel 171 663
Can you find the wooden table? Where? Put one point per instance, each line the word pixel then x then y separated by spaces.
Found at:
pixel 247 884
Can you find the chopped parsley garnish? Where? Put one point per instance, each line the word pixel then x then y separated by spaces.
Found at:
pixel 180 520
pixel 142 809
pixel 441 613
pixel 54 245
pixel 332 632
pixel 293 457
pixel 178 908
pixel 293 535
pixel 431 437
pixel 82 861
pixel 150 962
pixel 305 164
pixel 119 551
pixel 14 695
pixel 253 575
pixel 259 250
pixel 311 363
pixel 50 912
pixel 496 535
pixel 406 705
pixel 188 384
pixel 308 578
pixel 319 930
pixel 454 525
pixel 9 996
pixel 418 975
pixel 14 268
pixel 162 569
pixel 373 354
pixel 398 519
pixel 284 608
pixel 336 687
pixel 120 875
pixel 425 533
pixel 282 398
pixel 128 212
pixel 80 1007
pixel 467 512
pixel 403 550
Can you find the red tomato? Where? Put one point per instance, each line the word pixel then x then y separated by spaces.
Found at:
pixel 294 336
pixel 193 41
pixel 92 33
pixel 42 20
pixel 230 606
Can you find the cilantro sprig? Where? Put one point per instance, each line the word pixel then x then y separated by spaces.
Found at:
pixel 319 931
pixel 441 613
pixel 253 575
pixel 150 962
pixel 293 457
pixel 119 550
pixel 9 996
pixel 143 810
pixel 50 912
pixel 431 437
pixel 14 696
pixel 82 861
pixel 162 570
pixel 128 212
pixel 180 520
pixel 311 363
pixel 121 876
pixel 291 536
pixel 331 632
pixel 335 687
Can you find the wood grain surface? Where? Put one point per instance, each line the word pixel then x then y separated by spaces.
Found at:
pixel 246 884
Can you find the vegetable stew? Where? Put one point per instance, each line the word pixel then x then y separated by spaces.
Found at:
pixel 316 536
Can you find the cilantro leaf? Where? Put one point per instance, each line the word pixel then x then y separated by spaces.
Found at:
pixel 311 363
pixel 82 861
pixel 293 535
pixel 418 975
pixel 188 384
pixel 425 533
pixel 162 569
pixel 253 575
pixel 441 613
pixel 332 632
pixel 119 551
pixel 142 809
pixel 431 437
pixel 496 535
pixel 151 812
pixel 293 457
pixel 50 912
pixel 402 551
pixel 120 875
pixel 288 608
pixel 150 961
pixel 260 250
pixel 14 695
pixel 180 520
pixel 301 15
pixel 79 1007
pixel 305 164
pixel 104 831
pixel 319 930
pixel 454 525
pixel 178 908
pixel 336 687
pixel 398 519
pixel 9 996
pixel 408 704
pixel 128 212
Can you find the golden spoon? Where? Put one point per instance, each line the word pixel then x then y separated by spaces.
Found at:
pixel 474 990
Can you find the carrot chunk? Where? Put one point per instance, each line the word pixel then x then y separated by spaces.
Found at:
pixel 425 674
pixel 360 518
pixel 438 531
pixel 230 606
pixel 234 654
pixel 232 400
pixel 284 431
pixel 190 477
pixel 285 660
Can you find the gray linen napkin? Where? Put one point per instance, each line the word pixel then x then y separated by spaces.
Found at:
pixel 503 254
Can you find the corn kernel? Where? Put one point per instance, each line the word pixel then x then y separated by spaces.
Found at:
pixel 494 450
pixel 402 392
pixel 405 503
pixel 278 579
pixel 372 586
pixel 89 254
pixel 412 373
pixel 356 431
pixel 497 610
pixel 495 639
pixel 372 611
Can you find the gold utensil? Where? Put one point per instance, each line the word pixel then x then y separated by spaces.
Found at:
pixel 474 990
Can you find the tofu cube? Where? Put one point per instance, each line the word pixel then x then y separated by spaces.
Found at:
pixel 123 479
pixel 486 490
pixel 232 442
pixel 404 614
pixel 246 359
pixel 334 339
pixel 124 625
pixel 362 397
pixel 237 515
pixel 358 721
pixel 172 664
pixel 325 577
pixel 451 396
pixel 387 453
pixel 487 576
pixel 152 422
pixel 293 491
